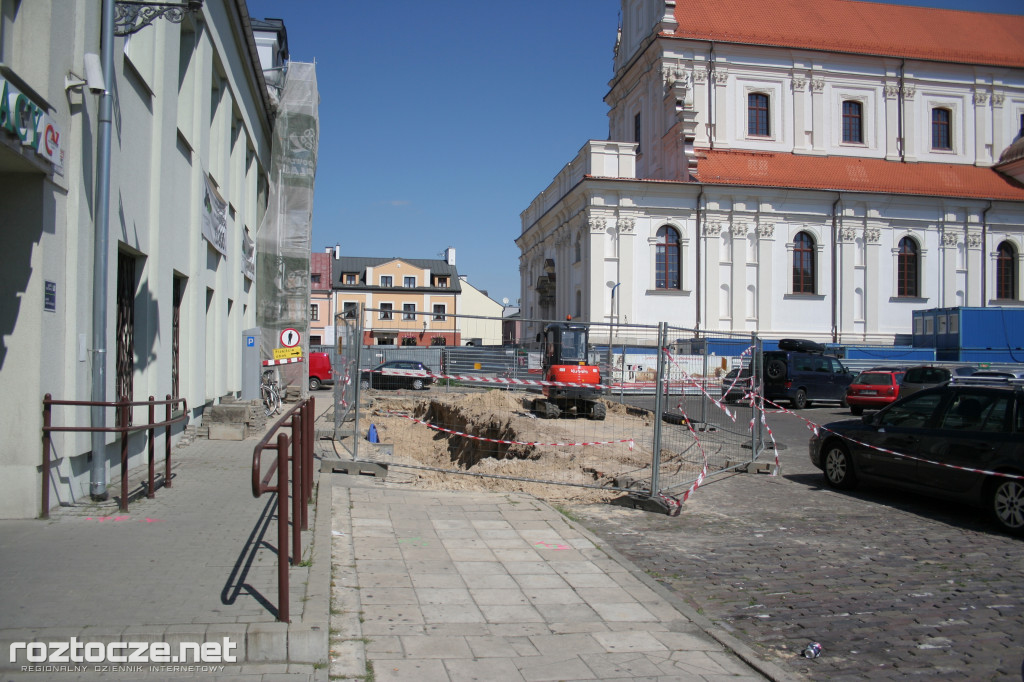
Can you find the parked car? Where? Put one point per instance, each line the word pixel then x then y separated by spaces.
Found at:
pixel 398 374
pixel 925 376
pixel 800 373
pixel 320 371
pixel 947 441
pixel 873 390
pixel 998 374
pixel 735 384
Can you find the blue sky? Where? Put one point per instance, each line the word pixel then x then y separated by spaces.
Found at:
pixel 441 121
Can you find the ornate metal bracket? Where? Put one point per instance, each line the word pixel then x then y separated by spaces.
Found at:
pixel 131 16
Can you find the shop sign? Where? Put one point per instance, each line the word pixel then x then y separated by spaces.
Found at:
pixel 22 117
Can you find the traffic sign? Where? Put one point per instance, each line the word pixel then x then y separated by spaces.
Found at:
pixel 290 337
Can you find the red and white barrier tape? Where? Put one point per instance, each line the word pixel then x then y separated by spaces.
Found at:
pixel 535 382
pixel 285 361
pixel 508 442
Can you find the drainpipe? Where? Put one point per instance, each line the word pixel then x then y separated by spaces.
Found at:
pixel 698 270
pixel 711 97
pixel 984 256
pixel 98 472
pixel 901 143
pixel 835 275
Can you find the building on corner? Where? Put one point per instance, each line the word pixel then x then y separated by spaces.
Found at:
pixel 818 172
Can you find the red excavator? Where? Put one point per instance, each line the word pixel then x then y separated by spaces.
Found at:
pixel 564 345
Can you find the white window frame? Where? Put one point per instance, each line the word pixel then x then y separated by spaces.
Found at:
pixel 390 281
pixel 406 313
pixel 387 311
pixel 409 278
pixel 436 316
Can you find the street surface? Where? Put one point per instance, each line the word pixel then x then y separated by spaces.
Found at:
pixel 892 585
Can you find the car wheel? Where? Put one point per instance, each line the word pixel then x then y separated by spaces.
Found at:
pixel 838 466
pixel 843 403
pixel 1006 502
pixel 314 384
pixel 856 411
pixel 799 400
pixel 364 384
pixel 417 384
pixel 775 369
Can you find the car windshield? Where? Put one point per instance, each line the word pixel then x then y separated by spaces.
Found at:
pixel 873 379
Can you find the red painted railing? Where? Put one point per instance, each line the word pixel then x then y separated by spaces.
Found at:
pixel 123 406
pixel 298 449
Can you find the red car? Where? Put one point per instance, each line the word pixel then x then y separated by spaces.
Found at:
pixel 874 390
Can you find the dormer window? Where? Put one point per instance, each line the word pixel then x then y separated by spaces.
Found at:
pixel 442 282
pixel 351 278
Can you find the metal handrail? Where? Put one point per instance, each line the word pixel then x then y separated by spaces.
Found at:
pixel 300 418
pixel 123 406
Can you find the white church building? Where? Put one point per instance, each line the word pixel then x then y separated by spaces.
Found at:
pixel 819 170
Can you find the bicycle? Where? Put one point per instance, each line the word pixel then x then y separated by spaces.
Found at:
pixel 269 393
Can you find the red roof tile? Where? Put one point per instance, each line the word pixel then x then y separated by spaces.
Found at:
pixel 858 27
pixel 762 169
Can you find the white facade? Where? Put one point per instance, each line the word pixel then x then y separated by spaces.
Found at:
pixel 189 100
pixel 683 158
pixel 477 304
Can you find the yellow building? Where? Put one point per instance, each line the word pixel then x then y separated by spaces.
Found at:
pixel 410 301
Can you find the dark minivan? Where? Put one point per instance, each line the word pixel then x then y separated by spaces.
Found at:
pixel 801 373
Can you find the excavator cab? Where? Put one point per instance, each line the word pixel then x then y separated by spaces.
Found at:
pixel 576 382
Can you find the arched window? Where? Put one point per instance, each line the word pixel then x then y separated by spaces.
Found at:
pixel 803 264
pixel 757 115
pixel 578 250
pixel 667 259
pixel 1006 271
pixel 941 134
pixel 852 119
pixel 907 269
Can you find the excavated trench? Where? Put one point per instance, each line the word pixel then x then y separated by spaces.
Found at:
pixel 467 452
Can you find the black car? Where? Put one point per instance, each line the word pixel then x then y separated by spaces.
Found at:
pixel 735 384
pixel 398 374
pixel 800 372
pixel 951 441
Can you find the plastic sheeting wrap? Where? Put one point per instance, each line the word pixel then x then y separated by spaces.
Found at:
pixel 283 241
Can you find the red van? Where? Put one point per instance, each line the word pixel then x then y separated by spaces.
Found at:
pixel 320 371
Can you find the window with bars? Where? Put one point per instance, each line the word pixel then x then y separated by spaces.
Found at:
pixel 803 264
pixel 667 259
pixel 853 113
pixel 1006 271
pixel 907 267
pixel 941 133
pixel 757 115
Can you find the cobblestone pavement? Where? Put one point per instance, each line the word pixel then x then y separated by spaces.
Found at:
pixel 892 585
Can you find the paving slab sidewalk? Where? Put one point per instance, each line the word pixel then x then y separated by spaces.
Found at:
pixel 445 585
pixel 197 563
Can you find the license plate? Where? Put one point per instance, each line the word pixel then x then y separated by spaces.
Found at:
pixel 869 392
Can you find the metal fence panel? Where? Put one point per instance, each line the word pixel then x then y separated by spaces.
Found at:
pixel 482 415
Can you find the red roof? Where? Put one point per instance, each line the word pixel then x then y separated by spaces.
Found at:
pixel 859 28
pixel 761 169
pixel 320 263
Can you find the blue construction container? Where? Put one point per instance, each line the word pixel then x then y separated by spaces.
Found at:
pixel 868 352
pixel 995 328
